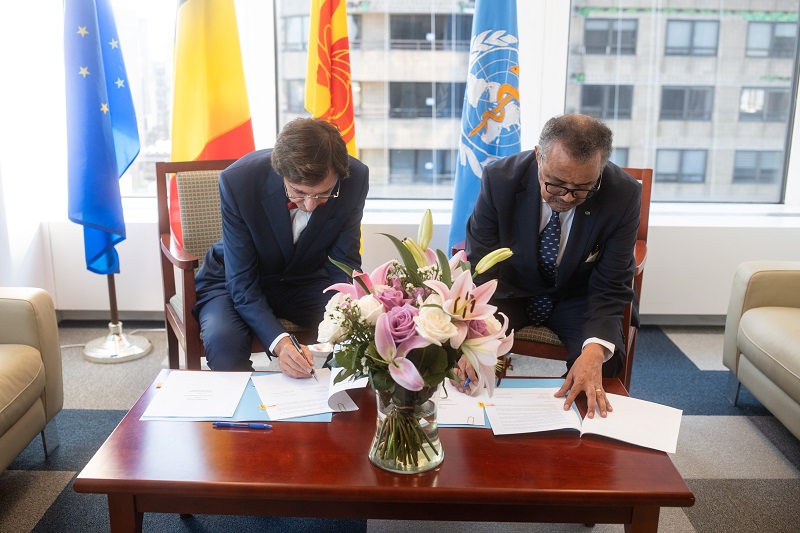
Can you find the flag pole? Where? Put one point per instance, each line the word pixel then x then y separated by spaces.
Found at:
pixel 116 347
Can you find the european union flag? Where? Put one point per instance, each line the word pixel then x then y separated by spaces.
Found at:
pixel 102 136
pixel 490 127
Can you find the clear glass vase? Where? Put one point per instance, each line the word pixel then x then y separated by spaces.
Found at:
pixel 406 437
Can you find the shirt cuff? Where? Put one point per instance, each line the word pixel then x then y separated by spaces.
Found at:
pixel 608 347
pixel 277 340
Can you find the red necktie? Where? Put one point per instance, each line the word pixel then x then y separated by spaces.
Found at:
pixel 291 205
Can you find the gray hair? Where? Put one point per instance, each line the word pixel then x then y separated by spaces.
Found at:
pixel 581 136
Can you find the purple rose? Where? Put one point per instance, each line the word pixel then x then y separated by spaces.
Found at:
pixel 477 328
pixel 391 298
pixel 420 292
pixel 401 322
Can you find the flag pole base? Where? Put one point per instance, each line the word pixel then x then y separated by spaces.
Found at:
pixel 116 347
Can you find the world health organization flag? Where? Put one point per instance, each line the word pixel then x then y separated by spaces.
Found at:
pixel 490 127
pixel 102 137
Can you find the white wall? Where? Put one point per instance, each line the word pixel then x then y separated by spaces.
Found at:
pixel 694 249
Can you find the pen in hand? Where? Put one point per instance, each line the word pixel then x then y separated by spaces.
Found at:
pixel 300 350
pixel 248 425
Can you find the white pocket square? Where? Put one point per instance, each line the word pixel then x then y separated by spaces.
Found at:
pixel 592 257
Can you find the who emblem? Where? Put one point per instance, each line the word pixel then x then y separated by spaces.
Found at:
pixel 491 127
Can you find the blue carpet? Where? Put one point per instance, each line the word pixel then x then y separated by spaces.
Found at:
pixel 663 374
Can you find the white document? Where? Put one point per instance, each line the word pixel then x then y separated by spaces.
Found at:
pixel 285 397
pixel 459 409
pixel 639 422
pixel 198 393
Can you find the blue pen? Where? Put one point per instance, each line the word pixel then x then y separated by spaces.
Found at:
pixel 248 425
pixel 466 382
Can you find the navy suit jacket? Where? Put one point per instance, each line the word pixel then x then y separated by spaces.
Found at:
pixel 257 261
pixel 598 262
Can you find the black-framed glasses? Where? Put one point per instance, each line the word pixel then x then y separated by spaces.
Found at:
pixel 578 194
pixel 303 197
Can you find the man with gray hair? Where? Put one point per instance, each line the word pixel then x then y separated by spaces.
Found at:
pixel 570 217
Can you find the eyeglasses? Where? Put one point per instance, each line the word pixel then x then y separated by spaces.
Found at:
pixel 303 197
pixel 578 194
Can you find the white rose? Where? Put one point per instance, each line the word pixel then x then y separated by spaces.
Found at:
pixel 434 324
pixel 371 309
pixel 330 330
pixel 433 299
pixel 335 301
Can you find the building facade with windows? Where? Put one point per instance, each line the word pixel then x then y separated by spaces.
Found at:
pixel 701 91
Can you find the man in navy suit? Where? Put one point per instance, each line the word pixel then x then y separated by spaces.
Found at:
pixel 597 206
pixel 285 211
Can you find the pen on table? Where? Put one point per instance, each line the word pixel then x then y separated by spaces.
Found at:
pixel 249 425
pixel 299 349
pixel 466 382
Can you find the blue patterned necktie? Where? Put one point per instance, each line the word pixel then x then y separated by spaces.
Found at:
pixel 541 306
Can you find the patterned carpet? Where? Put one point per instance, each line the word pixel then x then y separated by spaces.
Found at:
pixel 741 463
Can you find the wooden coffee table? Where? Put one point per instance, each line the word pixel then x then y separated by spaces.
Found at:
pixel 322 470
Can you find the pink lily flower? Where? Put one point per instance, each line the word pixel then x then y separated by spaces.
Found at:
pixel 401 369
pixel 374 282
pixel 483 353
pixel 464 302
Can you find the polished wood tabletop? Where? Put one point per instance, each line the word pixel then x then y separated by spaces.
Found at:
pixel 319 469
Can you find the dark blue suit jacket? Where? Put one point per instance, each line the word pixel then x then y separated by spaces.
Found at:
pixel 256 261
pixel 598 263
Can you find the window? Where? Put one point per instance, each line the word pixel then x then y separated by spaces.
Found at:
pixel 771 39
pixel 295 32
pixel 619 156
pixel 764 104
pixel 428 166
pixel 692 37
pixel 430 31
pixel 607 101
pixel 684 166
pixel 610 36
pixel 295 96
pixel 686 103
pixel 751 166
pixel 425 99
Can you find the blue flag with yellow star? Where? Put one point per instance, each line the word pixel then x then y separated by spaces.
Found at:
pixel 490 126
pixel 102 137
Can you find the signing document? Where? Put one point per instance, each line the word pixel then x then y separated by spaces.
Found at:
pixel 455 408
pixel 284 397
pixel 188 393
pixel 634 421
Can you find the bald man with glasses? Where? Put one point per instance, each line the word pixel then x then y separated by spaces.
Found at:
pixel 285 211
pixel 570 216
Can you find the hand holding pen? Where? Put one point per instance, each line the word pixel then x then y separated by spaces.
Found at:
pixel 292 358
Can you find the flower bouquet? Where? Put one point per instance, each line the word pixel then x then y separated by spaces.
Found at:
pixel 405 326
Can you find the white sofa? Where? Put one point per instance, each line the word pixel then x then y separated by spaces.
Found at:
pixel 31 387
pixel 762 337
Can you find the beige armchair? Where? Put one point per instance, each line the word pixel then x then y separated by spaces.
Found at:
pixel 31 388
pixel 762 337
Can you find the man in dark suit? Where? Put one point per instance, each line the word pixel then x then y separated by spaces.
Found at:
pixel 566 192
pixel 284 212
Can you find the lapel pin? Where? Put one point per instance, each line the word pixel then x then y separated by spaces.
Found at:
pixel 587 212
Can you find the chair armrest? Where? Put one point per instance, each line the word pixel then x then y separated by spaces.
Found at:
pixel 27 316
pixel 758 284
pixel 176 255
pixel 640 256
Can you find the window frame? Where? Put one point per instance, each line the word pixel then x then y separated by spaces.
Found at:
pixel 680 175
pixel 608 110
pixel 772 50
pixel 614 45
pixel 691 48
pixel 685 112
pixel 758 168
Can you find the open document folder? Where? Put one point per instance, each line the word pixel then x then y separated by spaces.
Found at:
pixel 285 397
pixel 634 421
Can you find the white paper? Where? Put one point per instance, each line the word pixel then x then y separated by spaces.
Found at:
pixel 285 397
pixel 525 410
pixel 459 409
pixel 198 394
pixel 639 422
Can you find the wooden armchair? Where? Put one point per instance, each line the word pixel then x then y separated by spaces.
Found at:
pixel 201 225
pixel 539 341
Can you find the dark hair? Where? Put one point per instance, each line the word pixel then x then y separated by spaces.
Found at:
pixel 307 149
pixel 581 136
